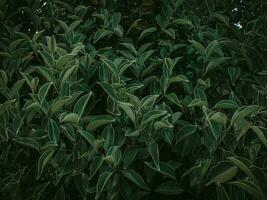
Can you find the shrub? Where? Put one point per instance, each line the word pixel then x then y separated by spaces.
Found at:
pixel 124 99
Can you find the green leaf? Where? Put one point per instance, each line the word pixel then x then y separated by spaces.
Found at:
pixel 133 176
pixel 250 188
pixel 211 48
pixel 71 118
pixel 80 105
pixel 98 121
pixel 47 58
pixel 216 62
pixel 147 32
pixel 87 136
pixel 75 24
pixel 64 60
pixel 178 79
pixel 111 66
pixel 53 131
pixel 158 125
pixel 46 72
pixel 224 176
pixel 241 166
pixel 183 22
pixel 43 160
pixel 102 33
pixel 199 47
pixel 42 93
pixel 68 73
pixel 16 87
pixel 3 78
pixel 221 192
pixel 226 104
pixel 129 156
pixel 77 50
pixel 152 115
pixel 127 107
pixel 63 25
pixel 186 131
pixel 222 18
pixel 165 169
pixel 130 47
pixel 169 188
pixel 219 117
pixel 154 152
pixel 108 89
pixel 234 73
pixel 148 101
pixel 59 103
pixel 28 142
pixel 95 165
pixel 197 103
pixel 116 18
pixel 37 35
pixel 243 112
pixel 102 182
pixel 52 44
pixel 260 135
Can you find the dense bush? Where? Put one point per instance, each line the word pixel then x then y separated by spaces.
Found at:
pixel 132 99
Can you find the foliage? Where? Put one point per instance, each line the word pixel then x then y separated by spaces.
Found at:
pixel 124 99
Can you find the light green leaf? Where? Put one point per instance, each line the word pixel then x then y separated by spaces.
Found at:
pixel 129 156
pixel 28 142
pixel 80 105
pixel 43 91
pixel 260 135
pixel 99 120
pixel 221 192
pixel 169 188
pixel 43 160
pixel 226 104
pixel 87 136
pixel 102 182
pixel 178 79
pixel 216 62
pixel 199 47
pixel 183 22
pixel 241 166
pixel 95 165
pixel 64 60
pixel 243 112
pixel 3 78
pixel 52 44
pixel 68 73
pixel 71 118
pixel 154 152
pixel 219 117
pixel 47 58
pixel 59 103
pixel 46 72
pixel 108 89
pixel 53 131
pixel 111 66
pixel 148 101
pixel 147 32
pixel 152 115
pixel 186 131
pixel 158 125
pixel 133 176
pixel 224 176
pixel 250 188
pixel 211 48
pixel 102 33
pixel 127 107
